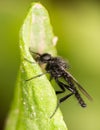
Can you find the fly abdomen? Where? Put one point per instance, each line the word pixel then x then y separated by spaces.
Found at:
pixel 80 100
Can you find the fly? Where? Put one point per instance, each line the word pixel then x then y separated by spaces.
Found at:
pixel 57 68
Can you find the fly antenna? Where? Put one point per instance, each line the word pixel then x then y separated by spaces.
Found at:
pixel 34 52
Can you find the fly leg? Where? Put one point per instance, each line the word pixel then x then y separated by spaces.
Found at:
pixel 36 75
pixel 63 87
pixel 60 101
pixel 29 61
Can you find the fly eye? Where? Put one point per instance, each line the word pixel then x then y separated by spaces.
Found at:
pixel 45 57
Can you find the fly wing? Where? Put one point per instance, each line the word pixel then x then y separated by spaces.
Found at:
pixel 83 90
pixel 80 87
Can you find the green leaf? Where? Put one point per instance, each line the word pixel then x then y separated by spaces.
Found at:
pixel 35 100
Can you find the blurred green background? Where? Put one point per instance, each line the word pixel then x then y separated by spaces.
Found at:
pixel 77 24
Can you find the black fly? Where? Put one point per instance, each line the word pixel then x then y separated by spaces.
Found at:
pixel 57 68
